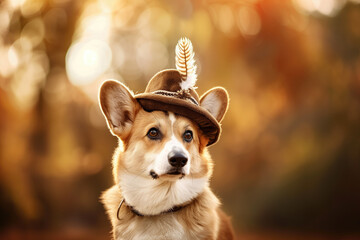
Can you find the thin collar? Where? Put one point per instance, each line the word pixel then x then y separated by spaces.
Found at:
pixel 137 213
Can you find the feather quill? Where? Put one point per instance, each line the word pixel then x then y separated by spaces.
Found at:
pixel 185 63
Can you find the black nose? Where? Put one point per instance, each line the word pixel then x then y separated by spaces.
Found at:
pixel 177 159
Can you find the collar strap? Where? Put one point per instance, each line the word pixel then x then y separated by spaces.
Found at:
pixel 137 213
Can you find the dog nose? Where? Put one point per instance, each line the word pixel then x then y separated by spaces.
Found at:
pixel 177 159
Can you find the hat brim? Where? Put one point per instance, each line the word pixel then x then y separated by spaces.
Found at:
pixel 206 122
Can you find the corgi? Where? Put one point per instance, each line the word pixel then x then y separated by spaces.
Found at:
pixel 162 166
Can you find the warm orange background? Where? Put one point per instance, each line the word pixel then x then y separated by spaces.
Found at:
pixel 288 161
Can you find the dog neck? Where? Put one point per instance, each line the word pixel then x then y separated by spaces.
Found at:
pixel 137 213
pixel 154 197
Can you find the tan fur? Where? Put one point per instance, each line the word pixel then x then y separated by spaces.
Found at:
pixel 144 121
pixel 200 218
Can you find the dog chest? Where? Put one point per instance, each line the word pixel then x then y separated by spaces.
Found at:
pixel 146 228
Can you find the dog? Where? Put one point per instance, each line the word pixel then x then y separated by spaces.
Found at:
pixel 162 166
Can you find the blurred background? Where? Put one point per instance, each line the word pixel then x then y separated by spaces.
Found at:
pixel 288 162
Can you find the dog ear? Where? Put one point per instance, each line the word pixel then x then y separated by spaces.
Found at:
pixel 216 101
pixel 118 106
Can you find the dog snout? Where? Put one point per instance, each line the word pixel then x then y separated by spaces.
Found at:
pixel 177 159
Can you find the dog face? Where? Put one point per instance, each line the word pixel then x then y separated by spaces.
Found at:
pixel 163 145
pixel 158 150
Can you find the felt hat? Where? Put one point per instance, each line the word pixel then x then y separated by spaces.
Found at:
pixel 174 90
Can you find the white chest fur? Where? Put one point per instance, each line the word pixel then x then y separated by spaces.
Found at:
pixel 152 197
pixel 160 228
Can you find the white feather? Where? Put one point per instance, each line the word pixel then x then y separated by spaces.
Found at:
pixel 185 63
pixel 189 82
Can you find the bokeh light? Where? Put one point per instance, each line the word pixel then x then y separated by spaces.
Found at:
pixel 324 7
pixel 248 21
pixel 87 60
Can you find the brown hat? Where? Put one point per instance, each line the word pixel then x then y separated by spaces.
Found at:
pixel 169 90
pixel 174 90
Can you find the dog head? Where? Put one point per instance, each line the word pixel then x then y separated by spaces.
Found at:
pixel 157 147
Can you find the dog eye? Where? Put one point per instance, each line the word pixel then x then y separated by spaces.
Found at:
pixel 188 136
pixel 153 133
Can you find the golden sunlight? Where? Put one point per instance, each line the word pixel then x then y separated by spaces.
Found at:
pixel 287 163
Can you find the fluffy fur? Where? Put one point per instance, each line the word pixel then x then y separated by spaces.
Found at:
pixel 142 172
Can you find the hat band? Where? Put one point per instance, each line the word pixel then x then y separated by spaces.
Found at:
pixel 182 94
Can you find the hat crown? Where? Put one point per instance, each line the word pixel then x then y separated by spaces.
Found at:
pixel 169 80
